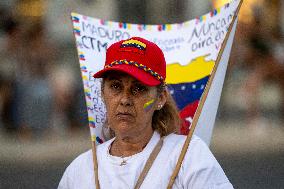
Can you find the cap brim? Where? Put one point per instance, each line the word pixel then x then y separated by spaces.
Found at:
pixel 140 75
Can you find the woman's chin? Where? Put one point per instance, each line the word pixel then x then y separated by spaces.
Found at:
pixel 124 128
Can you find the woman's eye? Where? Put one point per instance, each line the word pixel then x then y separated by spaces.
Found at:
pixel 115 86
pixel 138 89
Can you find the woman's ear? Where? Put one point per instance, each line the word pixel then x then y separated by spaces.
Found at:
pixel 162 99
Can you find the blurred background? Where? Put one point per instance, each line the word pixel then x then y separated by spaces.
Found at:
pixel 43 118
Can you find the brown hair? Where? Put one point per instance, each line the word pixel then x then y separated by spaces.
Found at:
pixel 165 121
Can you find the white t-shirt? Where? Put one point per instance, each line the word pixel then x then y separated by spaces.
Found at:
pixel 199 170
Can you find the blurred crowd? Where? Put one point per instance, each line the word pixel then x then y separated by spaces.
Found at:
pixel 259 53
pixel 38 94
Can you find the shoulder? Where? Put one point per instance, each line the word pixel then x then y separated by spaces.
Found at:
pixel 86 158
pixel 80 171
pixel 200 168
pixel 82 159
pixel 80 162
pixel 196 151
pixel 72 174
pixel 198 154
pixel 177 141
pixel 196 145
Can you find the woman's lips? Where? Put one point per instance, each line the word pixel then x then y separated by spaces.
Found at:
pixel 124 116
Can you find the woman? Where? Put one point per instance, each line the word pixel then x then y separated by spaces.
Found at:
pixel 142 117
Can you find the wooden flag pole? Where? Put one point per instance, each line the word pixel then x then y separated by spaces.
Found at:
pixel 202 102
pixel 95 161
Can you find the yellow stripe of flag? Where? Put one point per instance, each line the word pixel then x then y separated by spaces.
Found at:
pixel 193 71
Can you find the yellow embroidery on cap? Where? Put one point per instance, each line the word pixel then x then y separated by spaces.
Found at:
pixel 133 41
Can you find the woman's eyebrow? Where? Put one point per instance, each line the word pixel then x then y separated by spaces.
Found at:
pixel 111 78
pixel 136 82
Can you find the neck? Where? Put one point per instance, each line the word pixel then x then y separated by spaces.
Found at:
pixel 130 145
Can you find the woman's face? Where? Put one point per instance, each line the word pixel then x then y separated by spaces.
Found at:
pixel 130 104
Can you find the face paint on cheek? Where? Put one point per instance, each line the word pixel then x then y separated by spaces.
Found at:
pixel 148 105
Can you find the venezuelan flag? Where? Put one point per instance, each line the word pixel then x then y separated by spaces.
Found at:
pixel 84 68
pixel 77 31
pixel 75 19
pixel 97 139
pixel 82 57
pixel 186 85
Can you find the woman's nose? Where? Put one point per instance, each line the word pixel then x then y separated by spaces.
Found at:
pixel 126 99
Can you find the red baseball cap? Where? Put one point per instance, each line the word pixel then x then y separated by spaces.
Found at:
pixel 137 57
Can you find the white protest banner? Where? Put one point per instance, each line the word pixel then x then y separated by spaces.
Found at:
pixel 191 49
pixel 206 120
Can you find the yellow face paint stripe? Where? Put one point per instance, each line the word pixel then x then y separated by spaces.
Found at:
pixel 148 104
